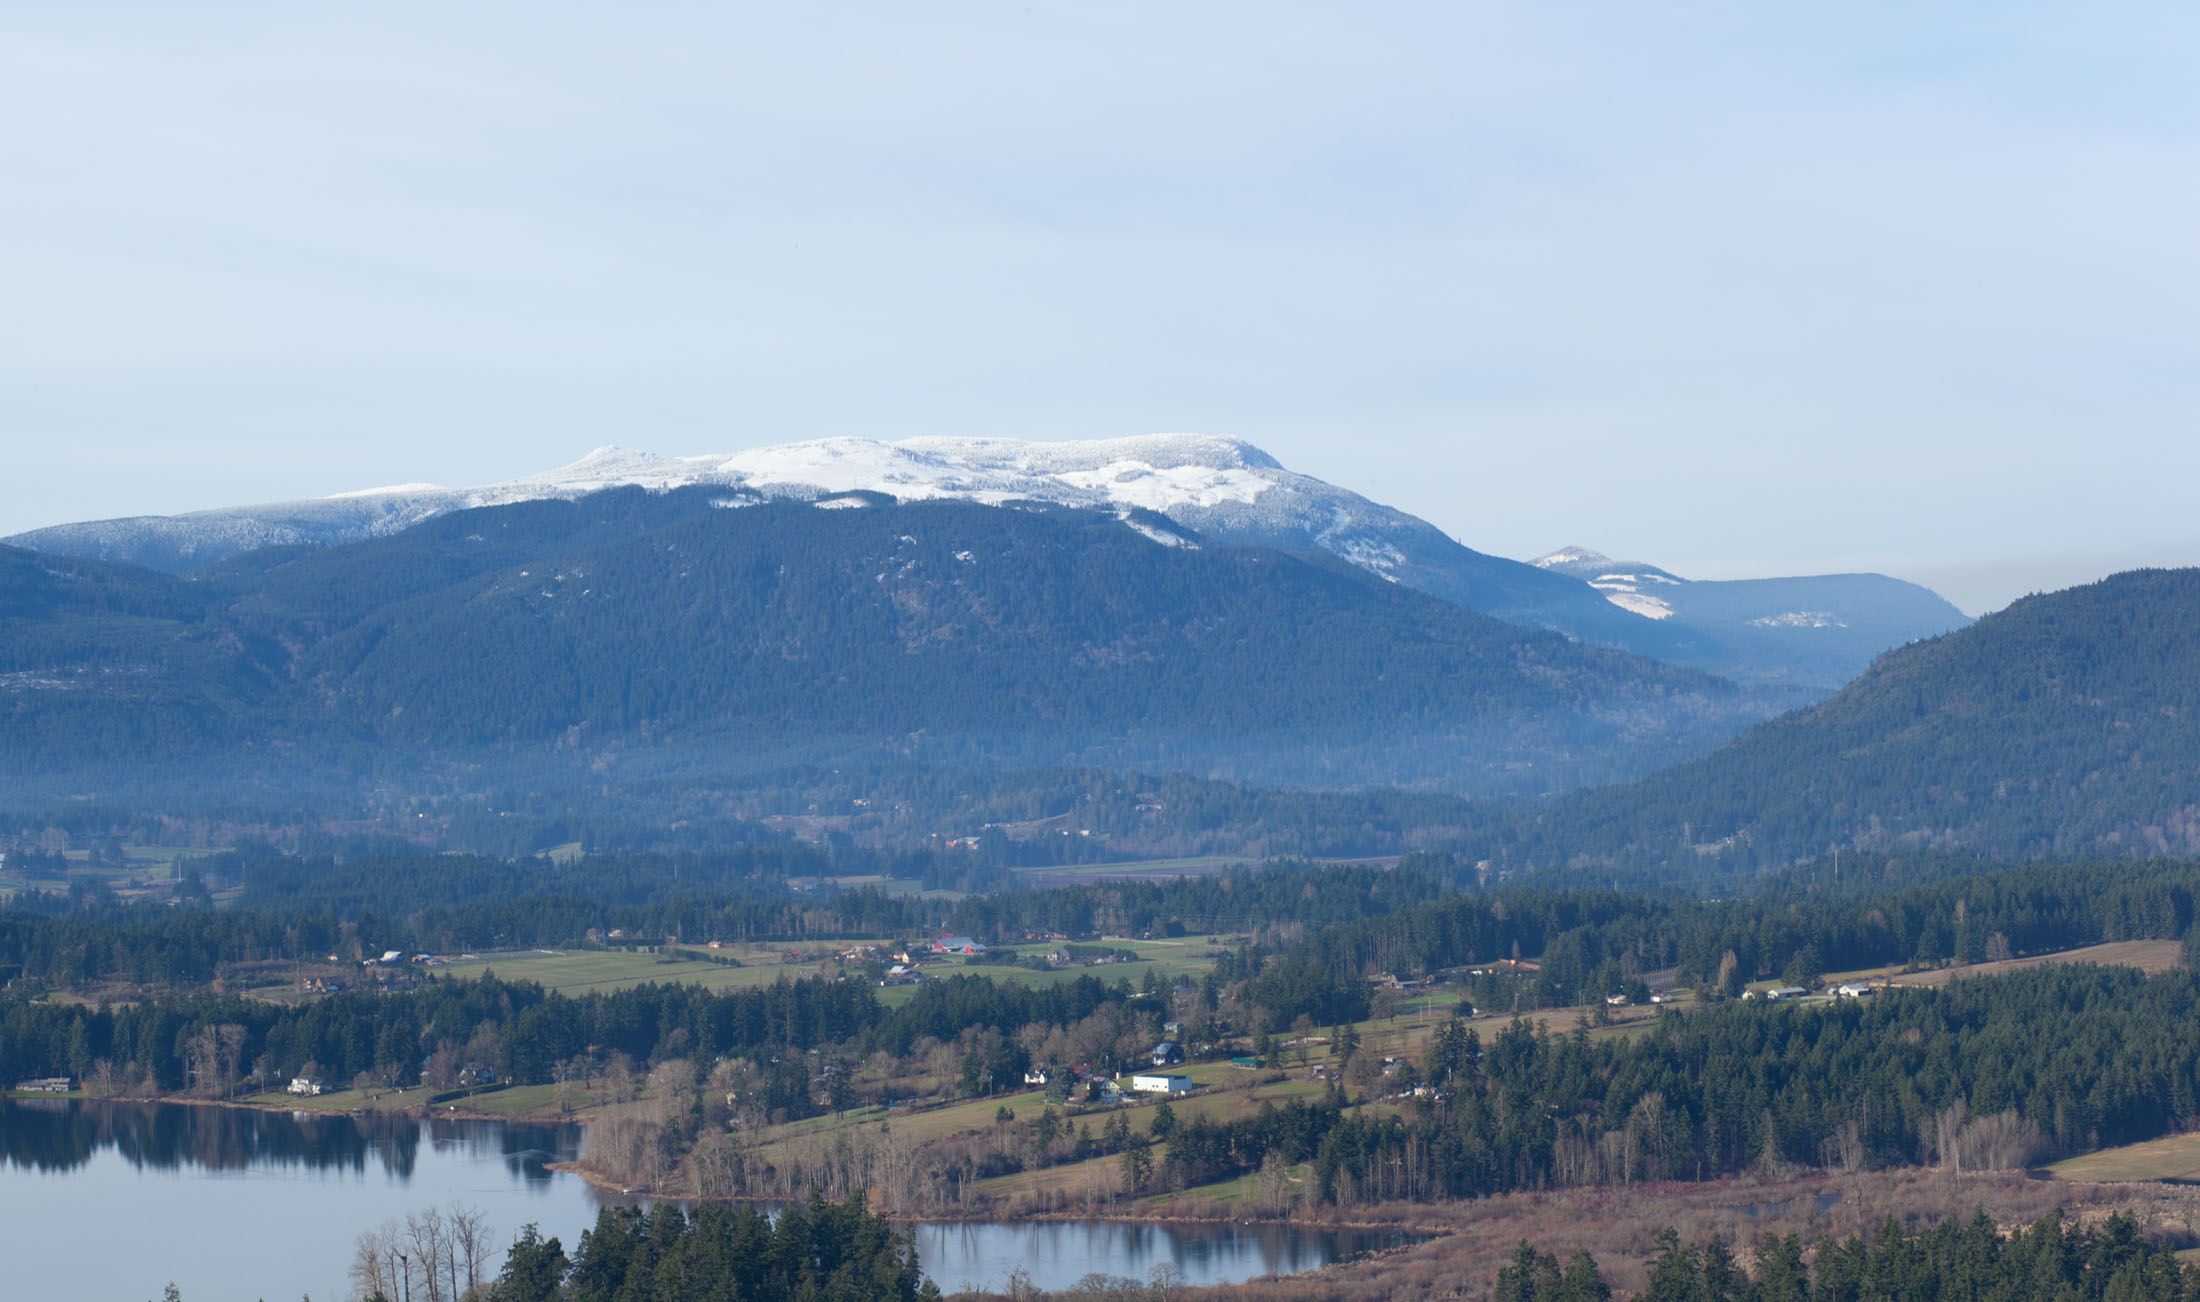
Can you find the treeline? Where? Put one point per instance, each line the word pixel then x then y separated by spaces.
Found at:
pixel 1594 943
pixel 217 1044
pixel 2051 1258
pixel 293 908
pixel 1983 1074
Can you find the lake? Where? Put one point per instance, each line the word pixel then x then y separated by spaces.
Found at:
pixel 114 1200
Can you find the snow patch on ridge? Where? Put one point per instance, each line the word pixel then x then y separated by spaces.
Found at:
pixel 1800 619
pixel 1636 603
pixel 386 491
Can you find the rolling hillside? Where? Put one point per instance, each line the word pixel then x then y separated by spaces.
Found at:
pixel 2068 724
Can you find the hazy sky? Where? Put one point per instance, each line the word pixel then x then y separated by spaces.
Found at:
pixel 1738 289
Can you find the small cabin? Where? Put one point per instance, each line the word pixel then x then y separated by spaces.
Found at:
pixel 1168 1053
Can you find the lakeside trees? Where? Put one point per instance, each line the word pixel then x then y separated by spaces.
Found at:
pixel 814 1251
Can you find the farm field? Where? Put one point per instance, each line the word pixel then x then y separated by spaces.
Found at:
pixel 349 1100
pixel 581 971
pixel 2149 956
pixel 1222 1097
pixel 144 866
pixel 2174 1158
pixel 1133 870
pixel 509 1101
pixel 1166 960
pixel 1407 1034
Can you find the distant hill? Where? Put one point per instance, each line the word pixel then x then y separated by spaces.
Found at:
pixel 2067 724
pixel 689 636
pixel 1226 490
pixel 1815 631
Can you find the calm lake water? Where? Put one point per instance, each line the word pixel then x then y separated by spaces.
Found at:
pixel 113 1200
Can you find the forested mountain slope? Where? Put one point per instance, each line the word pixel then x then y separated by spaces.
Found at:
pixel 680 632
pixel 2068 723
pixel 1807 635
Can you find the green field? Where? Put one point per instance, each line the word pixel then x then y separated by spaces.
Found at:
pixel 144 866
pixel 2173 1157
pixel 1196 866
pixel 1184 956
pixel 375 1100
pixel 579 971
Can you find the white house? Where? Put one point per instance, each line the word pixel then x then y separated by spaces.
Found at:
pixel 1161 1082
pixel 308 1085
pixel 1853 990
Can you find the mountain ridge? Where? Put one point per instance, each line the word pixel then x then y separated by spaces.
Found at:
pixel 623 624
pixel 1820 630
pixel 1223 488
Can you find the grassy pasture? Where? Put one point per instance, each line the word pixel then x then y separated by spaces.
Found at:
pixel 1132 870
pixel 349 1100
pixel 1181 956
pixel 580 971
pixel 2149 956
pixel 2173 1157
pixel 143 866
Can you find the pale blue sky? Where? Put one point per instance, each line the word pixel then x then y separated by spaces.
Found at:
pixel 1737 289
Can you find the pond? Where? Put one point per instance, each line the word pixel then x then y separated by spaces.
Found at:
pixel 114 1200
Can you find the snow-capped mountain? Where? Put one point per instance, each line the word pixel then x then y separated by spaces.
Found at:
pixel 1224 489
pixel 1817 631
pixel 1174 489
pixel 1637 589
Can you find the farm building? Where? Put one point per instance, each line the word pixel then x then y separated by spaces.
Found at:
pixel 1777 992
pixel 1161 1082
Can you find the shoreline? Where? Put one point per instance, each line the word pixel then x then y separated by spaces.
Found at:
pixel 422 1110
pixel 1003 1215
pixel 1166 1214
